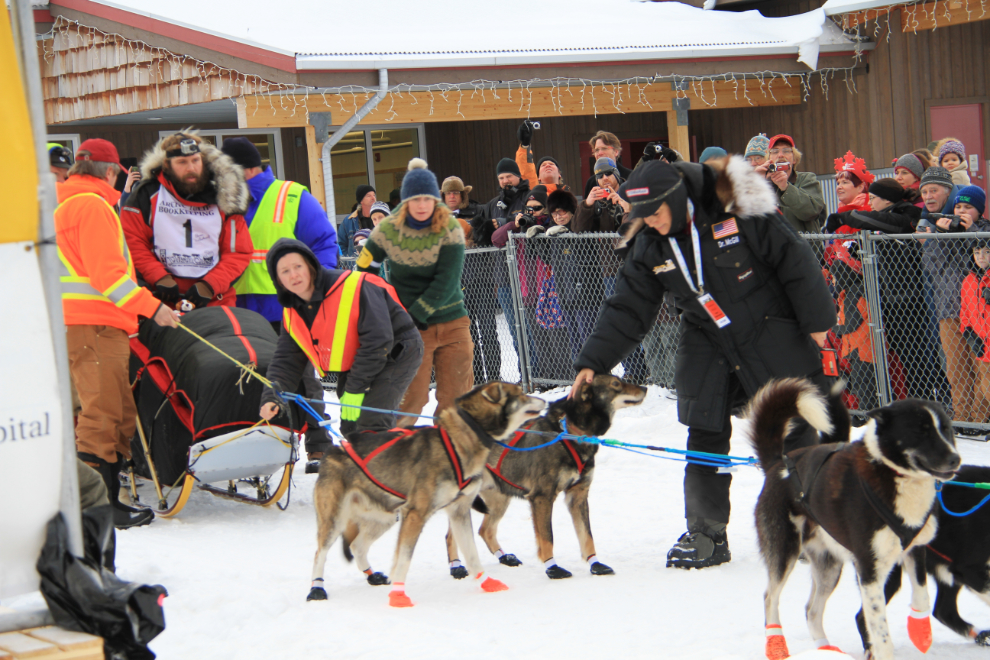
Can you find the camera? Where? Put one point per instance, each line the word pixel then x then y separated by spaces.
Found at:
pixel 526 220
pixel 955 222
pixel 772 167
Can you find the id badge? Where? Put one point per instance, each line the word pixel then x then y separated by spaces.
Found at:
pixel 830 364
pixel 714 311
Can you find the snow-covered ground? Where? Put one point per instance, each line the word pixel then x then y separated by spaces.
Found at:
pixel 238 576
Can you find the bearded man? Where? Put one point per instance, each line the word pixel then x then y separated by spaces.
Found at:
pixel 184 222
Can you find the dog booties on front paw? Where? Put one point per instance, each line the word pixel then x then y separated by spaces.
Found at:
pixel 983 638
pixel 458 572
pixel 378 579
pixel 509 560
pixel 557 573
pixel 598 568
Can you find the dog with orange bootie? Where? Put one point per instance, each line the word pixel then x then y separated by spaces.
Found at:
pixel 777 647
pixel 919 626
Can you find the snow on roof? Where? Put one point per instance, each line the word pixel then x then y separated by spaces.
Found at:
pixel 833 7
pixel 373 34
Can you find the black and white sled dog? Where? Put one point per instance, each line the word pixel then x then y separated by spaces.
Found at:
pixel 870 502
pixel 958 556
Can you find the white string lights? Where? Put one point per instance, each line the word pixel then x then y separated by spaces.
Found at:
pixel 931 12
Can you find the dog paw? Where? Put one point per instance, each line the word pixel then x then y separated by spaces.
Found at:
pixel 599 568
pixel 458 572
pixel 378 579
pixel 399 599
pixel 317 593
pixel 557 573
pixel 491 585
pixel 776 648
pixel 920 632
pixel 509 560
pixel 983 638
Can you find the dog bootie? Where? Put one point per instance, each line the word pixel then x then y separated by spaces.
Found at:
pixel 490 584
pixel 919 626
pixel 377 578
pixel 397 597
pixel 776 644
pixel 317 592
pixel 457 570
pixel 700 548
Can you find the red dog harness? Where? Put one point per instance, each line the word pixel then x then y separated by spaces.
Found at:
pixel 496 470
pixel 401 434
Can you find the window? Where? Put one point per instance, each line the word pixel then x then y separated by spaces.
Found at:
pixel 70 140
pixel 269 144
pixel 374 155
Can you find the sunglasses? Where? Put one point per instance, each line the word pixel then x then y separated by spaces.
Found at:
pixel 602 175
pixel 535 209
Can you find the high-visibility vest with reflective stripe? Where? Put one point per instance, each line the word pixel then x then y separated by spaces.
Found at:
pixel 275 218
pixel 78 287
pixel 332 342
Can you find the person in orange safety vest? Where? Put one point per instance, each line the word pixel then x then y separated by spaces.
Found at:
pixel 101 303
pixel 343 322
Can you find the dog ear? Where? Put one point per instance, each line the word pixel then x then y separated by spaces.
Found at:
pixel 586 391
pixel 487 393
pixel 880 415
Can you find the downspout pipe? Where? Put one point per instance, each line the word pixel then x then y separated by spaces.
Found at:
pixel 339 134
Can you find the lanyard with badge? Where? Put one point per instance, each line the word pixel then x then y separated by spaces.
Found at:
pixel 705 299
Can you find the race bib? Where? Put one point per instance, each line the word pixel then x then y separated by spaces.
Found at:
pixel 187 238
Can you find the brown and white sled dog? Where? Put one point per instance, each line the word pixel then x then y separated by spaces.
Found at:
pixel 541 475
pixel 870 502
pixel 418 474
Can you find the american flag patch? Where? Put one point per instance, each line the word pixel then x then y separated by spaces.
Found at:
pixel 726 228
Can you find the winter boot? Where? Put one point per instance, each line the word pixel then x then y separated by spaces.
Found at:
pixel 704 544
pixel 123 516
pixel 313 459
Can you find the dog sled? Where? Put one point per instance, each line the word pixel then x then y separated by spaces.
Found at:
pixel 198 422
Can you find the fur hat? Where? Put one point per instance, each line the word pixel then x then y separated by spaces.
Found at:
pixel 912 164
pixel 561 200
pixel 855 166
pixel 758 145
pixel 506 166
pixel 379 207
pixel 938 175
pixel 952 146
pixel 974 196
pixel 454 184
pixel 420 181
pixel 887 189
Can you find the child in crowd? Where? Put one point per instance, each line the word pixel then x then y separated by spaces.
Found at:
pixel 974 323
pixel 952 156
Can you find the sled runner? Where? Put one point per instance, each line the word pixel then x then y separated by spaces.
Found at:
pixel 198 412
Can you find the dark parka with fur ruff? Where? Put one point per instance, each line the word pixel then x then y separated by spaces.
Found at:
pixel 764 277
pixel 226 189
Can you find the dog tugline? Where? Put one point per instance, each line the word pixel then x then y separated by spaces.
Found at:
pixel 752 302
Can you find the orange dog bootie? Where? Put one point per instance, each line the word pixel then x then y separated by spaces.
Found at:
pixel 919 626
pixel 490 584
pixel 776 644
pixel 397 597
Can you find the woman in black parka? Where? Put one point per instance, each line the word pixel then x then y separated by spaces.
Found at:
pixel 769 307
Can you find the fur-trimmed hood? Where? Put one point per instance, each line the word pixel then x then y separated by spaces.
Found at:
pixel 232 196
pixel 728 184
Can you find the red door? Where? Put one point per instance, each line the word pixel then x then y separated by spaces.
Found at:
pixel 966 123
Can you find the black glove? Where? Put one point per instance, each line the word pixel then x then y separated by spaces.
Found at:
pixel 833 223
pixel 419 324
pixel 974 341
pixel 525 133
pixel 652 151
pixel 669 154
pixel 167 290
pixel 199 294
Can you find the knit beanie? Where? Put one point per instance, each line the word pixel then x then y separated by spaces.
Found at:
pixel 938 175
pixel 758 146
pixel 545 159
pixel 606 165
pixel 420 182
pixel 887 189
pixel 912 164
pixel 974 196
pixel 242 151
pixel 539 194
pixel 505 166
pixel 363 190
pixel 952 147
pixel 360 236
pixel 712 152
pixel 379 207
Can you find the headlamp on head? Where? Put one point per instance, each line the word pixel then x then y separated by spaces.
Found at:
pixel 187 147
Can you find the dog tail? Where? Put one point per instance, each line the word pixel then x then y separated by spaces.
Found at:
pixel 479 505
pixel 772 411
pixel 347 549
pixel 839 414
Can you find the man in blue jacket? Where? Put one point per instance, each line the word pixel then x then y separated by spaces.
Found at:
pixel 280 209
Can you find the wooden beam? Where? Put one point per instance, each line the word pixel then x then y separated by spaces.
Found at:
pixel 677 136
pixel 414 107
pixel 314 150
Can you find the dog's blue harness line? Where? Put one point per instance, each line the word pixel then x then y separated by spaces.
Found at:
pixel 689 456
pixel 981 486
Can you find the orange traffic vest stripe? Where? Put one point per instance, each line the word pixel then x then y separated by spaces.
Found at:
pixel 332 342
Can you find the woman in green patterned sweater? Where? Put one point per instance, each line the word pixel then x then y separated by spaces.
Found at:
pixel 424 244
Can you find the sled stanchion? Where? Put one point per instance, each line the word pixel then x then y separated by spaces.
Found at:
pixel 162 504
pixel 187 485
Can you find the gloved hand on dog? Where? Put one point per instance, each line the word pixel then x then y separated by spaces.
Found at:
pixel 347 413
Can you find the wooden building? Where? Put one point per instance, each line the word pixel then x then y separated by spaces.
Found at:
pixel 884 81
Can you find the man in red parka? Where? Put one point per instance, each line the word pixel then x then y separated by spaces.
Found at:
pixel 184 222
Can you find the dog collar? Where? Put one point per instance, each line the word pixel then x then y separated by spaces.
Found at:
pixel 486 439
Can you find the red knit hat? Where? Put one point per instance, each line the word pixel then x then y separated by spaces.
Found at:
pixel 855 166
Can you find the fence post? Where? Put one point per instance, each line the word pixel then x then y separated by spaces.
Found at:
pixel 872 284
pixel 522 341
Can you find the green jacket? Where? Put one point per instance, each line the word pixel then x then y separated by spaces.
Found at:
pixel 802 203
pixel 424 267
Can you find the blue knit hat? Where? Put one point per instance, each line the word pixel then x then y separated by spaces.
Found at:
pixel 419 181
pixel 712 152
pixel 758 145
pixel 974 196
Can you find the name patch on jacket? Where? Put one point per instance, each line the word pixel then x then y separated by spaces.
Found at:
pixel 730 241
pixel 725 228
pixel 665 267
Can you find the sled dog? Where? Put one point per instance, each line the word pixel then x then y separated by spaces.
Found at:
pixel 539 476
pixel 958 556
pixel 374 476
pixel 869 502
